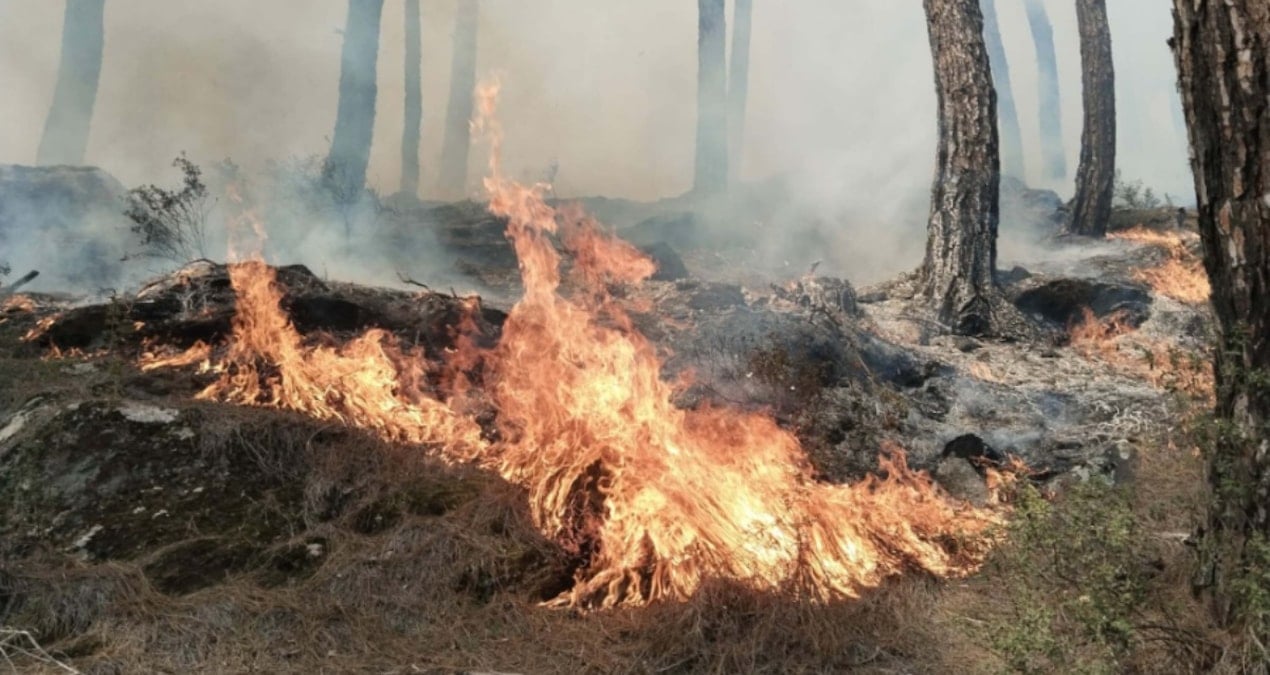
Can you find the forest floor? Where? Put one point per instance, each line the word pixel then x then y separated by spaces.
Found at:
pixel 142 530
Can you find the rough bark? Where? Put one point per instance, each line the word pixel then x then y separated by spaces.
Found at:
pixel 414 102
pixel 66 129
pixel 345 169
pixel 1053 156
pixel 458 114
pixel 1007 114
pixel 1222 50
pixel 738 83
pixel 1096 174
pixel 961 245
pixel 711 175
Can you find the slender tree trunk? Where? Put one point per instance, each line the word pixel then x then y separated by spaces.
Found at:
pixel 1096 175
pixel 1007 114
pixel 961 245
pixel 1053 156
pixel 458 114
pixel 345 169
pixel 1222 48
pixel 66 128
pixel 712 109
pixel 738 83
pixel 414 103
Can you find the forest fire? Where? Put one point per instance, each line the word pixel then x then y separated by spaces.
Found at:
pixel 1114 340
pixel 1181 276
pixel 651 499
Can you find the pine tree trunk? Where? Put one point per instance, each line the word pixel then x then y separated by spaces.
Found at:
pixel 961 244
pixel 1096 175
pixel 1053 156
pixel 414 102
pixel 1007 114
pixel 458 115
pixel 1222 50
pixel 345 169
pixel 738 83
pixel 711 174
pixel 66 128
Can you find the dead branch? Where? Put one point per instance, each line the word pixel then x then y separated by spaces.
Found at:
pixel 14 642
pixel 13 287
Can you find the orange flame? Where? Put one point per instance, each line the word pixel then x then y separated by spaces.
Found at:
pixel 1181 276
pixel 652 500
pixel 1113 341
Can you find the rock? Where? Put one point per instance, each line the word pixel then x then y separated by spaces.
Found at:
pixel 66 221
pixel 1063 301
pixel 959 478
pixel 670 267
pixel 972 448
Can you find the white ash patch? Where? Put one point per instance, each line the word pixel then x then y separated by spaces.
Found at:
pixel 19 420
pixel 144 413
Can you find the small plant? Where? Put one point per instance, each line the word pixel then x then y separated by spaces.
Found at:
pixel 172 224
pixel 1133 195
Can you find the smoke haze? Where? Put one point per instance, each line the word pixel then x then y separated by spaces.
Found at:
pixel 841 97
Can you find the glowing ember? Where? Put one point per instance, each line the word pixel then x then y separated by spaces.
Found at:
pixel 1181 276
pixel 651 499
pixel 17 303
pixel 201 352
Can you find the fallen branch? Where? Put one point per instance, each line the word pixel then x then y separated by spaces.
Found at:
pixel 13 287
pixel 14 642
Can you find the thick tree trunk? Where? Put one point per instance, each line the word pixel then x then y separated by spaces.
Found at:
pixel 414 102
pixel 1053 157
pixel 738 83
pixel 961 244
pixel 66 128
pixel 711 174
pixel 1096 175
pixel 1007 114
pixel 1222 49
pixel 458 114
pixel 345 169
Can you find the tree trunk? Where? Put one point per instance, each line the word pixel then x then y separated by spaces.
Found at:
pixel 66 128
pixel 1007 114
pixel 345 169
pixel 414 103
pixel 458 114
pixel 738 83
pixel 1053 156
pixel 712 109
pixel 1096 175
pixel 1222 50
pixel 961 244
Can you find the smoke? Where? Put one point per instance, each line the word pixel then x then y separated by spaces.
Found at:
pixel 841 107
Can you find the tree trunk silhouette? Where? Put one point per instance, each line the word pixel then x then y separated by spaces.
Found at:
pixel 66 128
pixel 345 169
pixel 1053 156
pixel 1222 49
pixel 1096 174
pixel 961 245
pixel 738 83
pixel 711 174
pixel 1007 114
pixel 458 113
pixel 414 102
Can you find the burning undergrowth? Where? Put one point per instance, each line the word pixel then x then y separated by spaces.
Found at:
pixel 651 500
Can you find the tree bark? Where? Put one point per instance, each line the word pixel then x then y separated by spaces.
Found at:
pixel 414 102
pixel 1053 156
pixel 458 115
pixel 711 175
pixel 1007 114
pixel 66 128
pixel 345 169
pixel 1096 174
pixel 1222 49
pixel 738 83
pixel 961 245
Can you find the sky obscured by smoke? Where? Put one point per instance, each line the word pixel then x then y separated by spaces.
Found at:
pixel 841 93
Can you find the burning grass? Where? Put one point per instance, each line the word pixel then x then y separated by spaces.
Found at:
pixel 651 501
pixel 1181 276
pixel 1114 341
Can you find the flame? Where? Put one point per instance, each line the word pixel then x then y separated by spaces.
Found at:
pixel 1115 342
pixel 200 353
pixel 17 303
pixel 1181 276
pixel 651 500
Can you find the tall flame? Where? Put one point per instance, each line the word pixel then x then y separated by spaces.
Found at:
pixel 651 500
